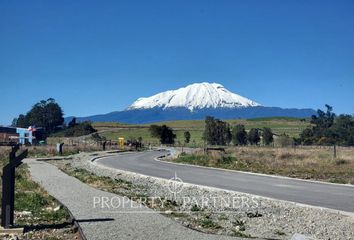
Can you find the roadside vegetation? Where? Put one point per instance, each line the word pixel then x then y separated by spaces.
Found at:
pixel 315 163
pixel 51 151
pixel 35 210
pixel 255 151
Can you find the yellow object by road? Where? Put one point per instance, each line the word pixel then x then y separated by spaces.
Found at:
pixel 121 142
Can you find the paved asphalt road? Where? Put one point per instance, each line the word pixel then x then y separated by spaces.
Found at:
pixel 339 197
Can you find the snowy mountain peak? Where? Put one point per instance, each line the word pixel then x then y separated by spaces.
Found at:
pixel 195 96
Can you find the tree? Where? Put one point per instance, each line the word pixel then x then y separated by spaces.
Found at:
pixel 14 122
pixel 239 135
pixel 72 123
pixel 46 114
pixel 342 131
pixel 53 115
pixel 209 130
pixel 187 136
pixel 328 129
pixel 307 136
pixel 224 131
pixel 155 131
pixel 217 132
pixel 167 136
pixel 164 133
pixel 253 136
pixel 267 135
pixel 322 122
pixel 22 121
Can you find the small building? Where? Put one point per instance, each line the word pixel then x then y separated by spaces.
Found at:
pixel 6 135
pixel 10 135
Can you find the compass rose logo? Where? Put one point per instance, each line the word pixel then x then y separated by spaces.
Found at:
pixel 175 185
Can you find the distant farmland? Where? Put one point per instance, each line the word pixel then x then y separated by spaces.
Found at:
pixel 291 126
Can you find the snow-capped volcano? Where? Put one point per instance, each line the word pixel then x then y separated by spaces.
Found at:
pixel 195 96
pixel 194 102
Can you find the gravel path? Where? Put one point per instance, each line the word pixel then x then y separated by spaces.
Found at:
pixel 130 222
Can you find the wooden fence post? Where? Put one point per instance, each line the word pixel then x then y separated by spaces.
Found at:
pixel 8 187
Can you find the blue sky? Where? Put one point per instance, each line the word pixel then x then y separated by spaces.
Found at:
pixel 99 56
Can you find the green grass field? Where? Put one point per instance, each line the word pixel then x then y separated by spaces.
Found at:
pixel 279 125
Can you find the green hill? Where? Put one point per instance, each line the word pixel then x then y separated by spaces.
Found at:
pixel 279 125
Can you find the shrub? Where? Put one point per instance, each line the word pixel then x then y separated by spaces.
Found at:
pixel 225 160
pixel 341 161
pixel 77 130
pixel 187 136
pixel 164 133
pixel 267 136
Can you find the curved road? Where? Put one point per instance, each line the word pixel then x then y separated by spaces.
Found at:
pixel 334 196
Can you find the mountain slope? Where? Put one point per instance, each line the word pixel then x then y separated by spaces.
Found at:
pixel 138 116
pixel 195 96
pixel 194 102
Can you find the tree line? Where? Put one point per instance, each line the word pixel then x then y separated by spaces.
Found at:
pixel 218 132
pixel 326 129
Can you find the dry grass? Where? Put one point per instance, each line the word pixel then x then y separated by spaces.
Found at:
pixel 50 150
pixel 306 163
